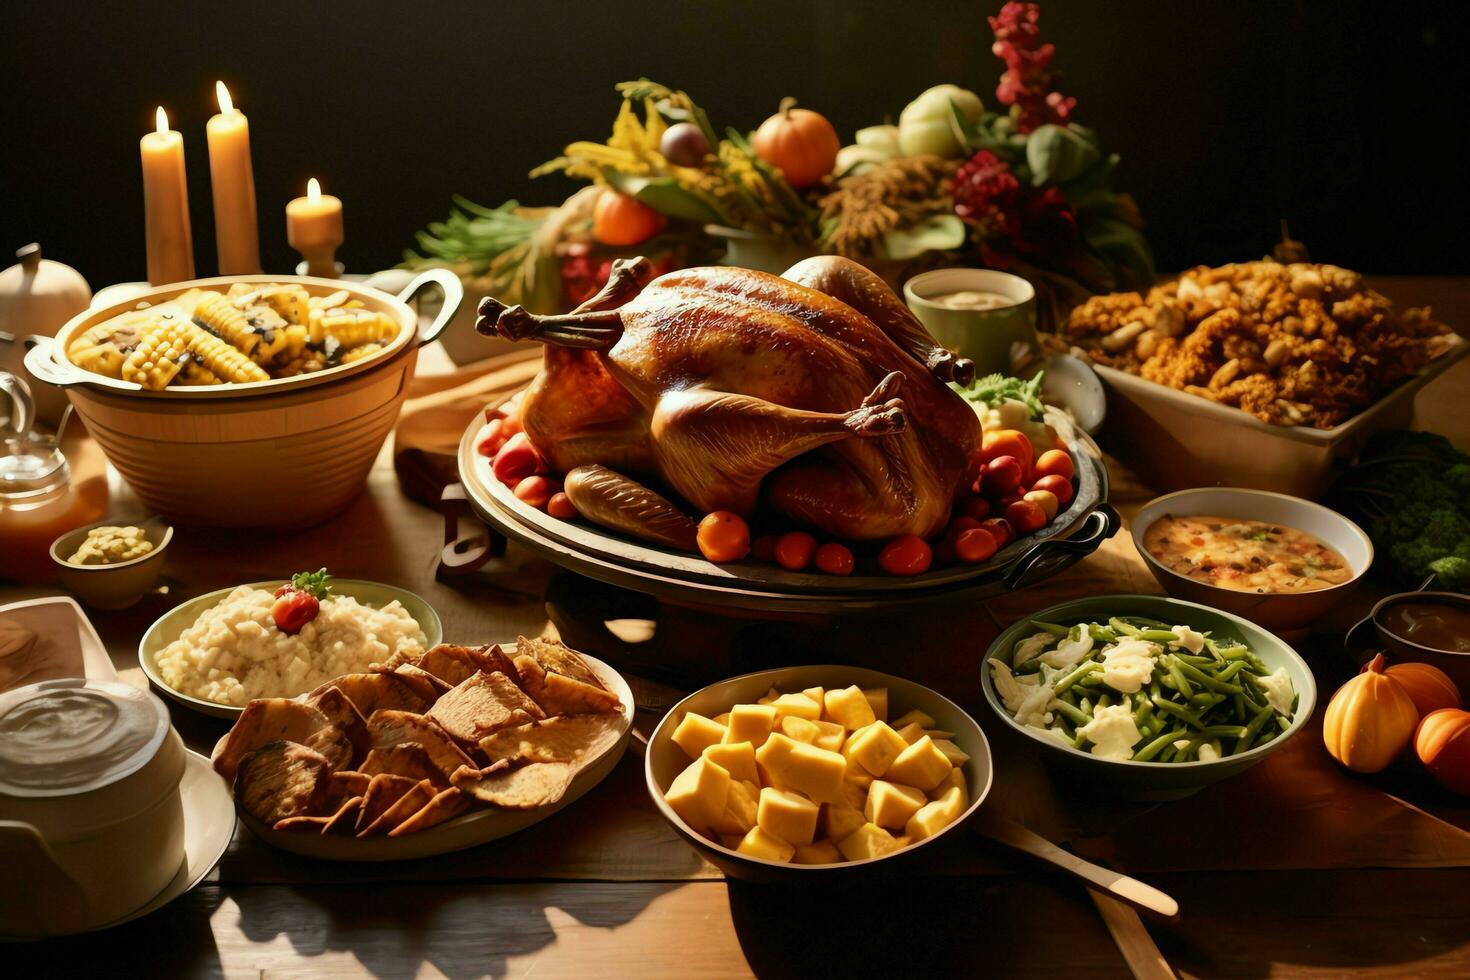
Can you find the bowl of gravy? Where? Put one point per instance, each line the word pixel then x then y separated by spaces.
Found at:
pixel 1428 627
pixel 985 315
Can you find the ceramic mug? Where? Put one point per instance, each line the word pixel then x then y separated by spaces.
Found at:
pixel 993 339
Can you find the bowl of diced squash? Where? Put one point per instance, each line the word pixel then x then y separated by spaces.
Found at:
pixel 786 773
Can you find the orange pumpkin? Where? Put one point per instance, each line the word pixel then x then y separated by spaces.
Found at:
pixel 622 220
pixel 1428 686
pixel 1443 745
pixel 799 142
pixel 1369 720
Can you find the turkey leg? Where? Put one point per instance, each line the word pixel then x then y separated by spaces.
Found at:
pixel 595 325
pixel 714 447
pixel 863 290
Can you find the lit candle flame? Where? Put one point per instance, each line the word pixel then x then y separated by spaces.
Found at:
pixel 313 190
pixel 226 106
pixel 160 119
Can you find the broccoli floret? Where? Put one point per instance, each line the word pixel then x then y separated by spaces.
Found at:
pixel 1452 572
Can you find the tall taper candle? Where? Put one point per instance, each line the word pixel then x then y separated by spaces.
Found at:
pixel 236 234
pixel 166 205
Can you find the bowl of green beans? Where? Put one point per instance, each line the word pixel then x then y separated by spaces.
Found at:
pixel 1146 696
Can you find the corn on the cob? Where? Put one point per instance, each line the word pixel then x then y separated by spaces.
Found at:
pixel 295 343
pixel 195 373
pixel 351 327
pixel 223 360
pixel 304 363
pixel 102 348
pixel 159 356
pixel 290 301
pixel 358 353
pixel 218 315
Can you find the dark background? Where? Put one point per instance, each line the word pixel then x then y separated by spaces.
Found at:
pixel 1346 118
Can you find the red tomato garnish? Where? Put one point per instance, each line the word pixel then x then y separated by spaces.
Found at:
pixel 834 559
pixel 907 554
pixel 517 459
pixel 1000 530
pixel 560 506
pixel 491 438
pixel 1007 442
pixel 536 491
pixel 1046 500
pixel 723 536
pixel 1054 462
pixel 975 545
pixel 1026 516
pixel 1001 476
pixel 794 550
pixel 1059 486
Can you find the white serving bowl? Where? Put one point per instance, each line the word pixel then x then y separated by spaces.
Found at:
pixel 664 760
pixel 117 585
pixel 1277 611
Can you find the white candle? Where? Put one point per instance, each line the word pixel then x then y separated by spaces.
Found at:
pixel 236 234
pixel 314 228
pixel 166 205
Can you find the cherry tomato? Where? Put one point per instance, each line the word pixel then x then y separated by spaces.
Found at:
pixel 1026 516
pixel 794 550
pixel 492 437
pixel 1000 530
pixel 907 554
pixel 622 220
pixel 1001 476
pixel 1007 442
pixel 560 506
pixel 1054 462
pixel 536 491
pixel 1056 485
pixel 723 536
pixel 975 545
pixel 517 459
pixel 976 507
pixel 834 559
pixel 944 552
pixel 1006 501
pixel 764 547
pixel 1046 500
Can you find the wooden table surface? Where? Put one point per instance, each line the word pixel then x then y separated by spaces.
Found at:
pixel 605 888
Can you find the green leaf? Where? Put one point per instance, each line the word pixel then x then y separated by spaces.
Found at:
pixel 942 231
pixel 664 194
pixel 1122 246
pixel 1057 154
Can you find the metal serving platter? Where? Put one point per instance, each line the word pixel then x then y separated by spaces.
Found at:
pixel 761 587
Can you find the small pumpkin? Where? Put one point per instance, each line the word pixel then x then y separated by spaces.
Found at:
pixel 1428 686
pixel 621 220
pixel 799 142
pixel 1369 720
pixel 1443 745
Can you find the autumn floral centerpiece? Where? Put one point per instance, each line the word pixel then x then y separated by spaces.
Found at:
pixel 1021 186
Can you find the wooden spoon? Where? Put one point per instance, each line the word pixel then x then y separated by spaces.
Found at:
pixel 1129 890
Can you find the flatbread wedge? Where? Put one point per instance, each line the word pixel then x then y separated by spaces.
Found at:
pixel 384 791
pixel 482 704
pixel 267 720
pixel 574 739
pixel 374 691
pixel 409 759
pixel 390 728
pixel 342 713
pixel 404 807
pixel 527 788
pixel 448 803
pixel 425 684
pixel 280 780
pixel 345 819
pixel 450 663
pixel 559 680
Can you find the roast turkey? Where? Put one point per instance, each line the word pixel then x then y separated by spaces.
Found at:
pixel 816 394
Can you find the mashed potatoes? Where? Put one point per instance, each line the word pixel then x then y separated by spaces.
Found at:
pixel 234 652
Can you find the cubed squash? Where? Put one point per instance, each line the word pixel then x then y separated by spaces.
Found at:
pixel 839 820
pixel 798 705
pixel 799 729
pixel 832 736
pixel 920 764
pixel 759 844
pixel 868 841
pixel 821 852
pixel 741 806
pixel 914 717
pixel 849 708
pixel 927 821
pixel 786 815
pixel 956 755
pixel 722 719
pixel 878 701
pixel 816 694
pixel 771 695
pixel 698 794
pixel 751 723
pixel 891 804
pixel 737 758
pixel 695 732
pixel 855 786
pixel 938 733
pixel 874 747
pixel 788 764
pixel 911 732
pixel 956 778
